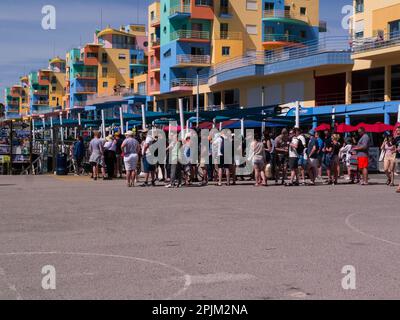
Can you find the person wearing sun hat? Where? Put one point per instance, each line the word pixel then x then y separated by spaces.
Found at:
pixel 131 149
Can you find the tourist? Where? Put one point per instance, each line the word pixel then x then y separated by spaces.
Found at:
pixel 175 166
pixel 282 153
pixel 148 168
pixel 397 143
pixel 294 156
pixel 131 148
pixel 302 151
pixel 110 148
pixel 96 155
pixel 204 158
pixel 389 149
pixel 321 145
pixel 219 146
pixel 258 159
pixel 312 155
pixel 78 155
pixel 187 163
pixel 345 156
pixel 118 155
pixel 362 149
pixel 332 152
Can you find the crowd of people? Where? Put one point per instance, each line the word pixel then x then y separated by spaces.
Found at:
pixel 292 158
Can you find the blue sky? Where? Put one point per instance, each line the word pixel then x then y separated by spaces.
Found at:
pixel 26 46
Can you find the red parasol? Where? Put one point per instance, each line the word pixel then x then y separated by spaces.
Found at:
pixel 344 128
pixel 323 127
pixel 378 127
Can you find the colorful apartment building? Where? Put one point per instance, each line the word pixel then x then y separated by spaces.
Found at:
pixel 115 64
pixel 189 37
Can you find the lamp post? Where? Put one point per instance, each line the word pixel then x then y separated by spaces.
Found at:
pixel 197 98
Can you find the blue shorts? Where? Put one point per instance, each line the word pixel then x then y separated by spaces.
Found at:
pixel 302 162
pixel 147 167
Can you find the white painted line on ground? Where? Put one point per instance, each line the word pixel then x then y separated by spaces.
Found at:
pixel 186 277
pixel 355 229
pixel 220 277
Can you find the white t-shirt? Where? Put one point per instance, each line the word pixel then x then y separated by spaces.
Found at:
pixel 149 140
pixel 293 151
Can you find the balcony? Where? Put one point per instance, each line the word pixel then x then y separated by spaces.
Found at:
pixel 155 43
pixel 227 35
pixel 273 41
pixel 40 93
pixel 86 75
pixel 285 14
pixel 386 45
pixel 44 78
pixel 40 103
pixel 15 92
pixel 182 84
pixel 191 35
pixel 189 60
pixel 179 12
pixel 155 66
pixel 86 90
pixel 155 22
pixel 138 62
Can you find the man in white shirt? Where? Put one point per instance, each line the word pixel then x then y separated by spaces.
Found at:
pixel 148 168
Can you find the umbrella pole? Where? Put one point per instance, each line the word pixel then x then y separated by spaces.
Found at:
pixel 182 119
pixel 143 117
pixel 121 120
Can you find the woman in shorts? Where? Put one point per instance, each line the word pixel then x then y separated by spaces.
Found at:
pixel 130 148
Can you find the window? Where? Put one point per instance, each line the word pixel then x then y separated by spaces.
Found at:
pixel 122 71
pixel 226 51
pixel 53 89
pixel 224 29
pixel 303 11
pixel 105 84
pixel 269 6
pixel 104 58
pixel 394 29
pixel 53 98
pixel 122 56
pixel 104 72
pixel 251 5
pixel 91 55
pixel 251 29
pixel 142 87
pixel 359 6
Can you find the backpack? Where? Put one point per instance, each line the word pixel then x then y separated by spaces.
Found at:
pixel 300 147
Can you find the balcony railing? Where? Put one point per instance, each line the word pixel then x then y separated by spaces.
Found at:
pixel 155 65
pixel 86 89
pixel 190 34
pixel 41 103
pixel 378 42
pixel 310 48
pixel 155 42
pixel 179 9
pixel 40 92
pixel 283 38
pixel 193 59
pixel 183 82
pixel 138 61
pixel 204 3
pixel 81 75
pixel 155 20
pixel 228 35
pixel 285 14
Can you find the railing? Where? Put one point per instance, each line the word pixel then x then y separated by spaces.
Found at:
pixel 13 103
pixel 311 48
pixel 190 34
pixel 139 61
pixel 41 103
pixel 359 96
pixel 375 43
pixel 40 92
pixel 193 59
pixel 204 3
pixel 282 37
pixel 227 35
pixel 179 9
pixel 155 20
pixel 80 75
pixel 183 82
pixel 79 104
pixel 86 89
pixel 285 14
pixel 155 65
pixel 155 42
